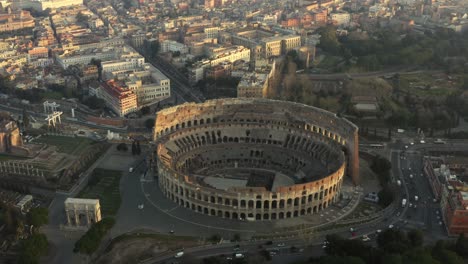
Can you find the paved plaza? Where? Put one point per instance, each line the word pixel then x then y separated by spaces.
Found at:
pixel 162 215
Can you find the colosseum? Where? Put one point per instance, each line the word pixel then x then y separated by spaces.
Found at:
pixel 253 159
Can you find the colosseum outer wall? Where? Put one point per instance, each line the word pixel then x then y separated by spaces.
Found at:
pixel 318 120
pixel 181 130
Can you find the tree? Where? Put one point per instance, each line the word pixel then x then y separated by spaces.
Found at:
pixel 122 147
pixel 81 18
pixel 328 40
pixel 145 110
pixel 380 164
pixel 415 238
pixel 94 103
pixel 340 260
pixel 149 123
pixel 385 196
pixel 465 82
pixel 91 240
pixel 393 241
pixel 25 119
pixel 236 237
pixel 32 248
pixel 138 148
pixel 461 246
pixel 134 151
pixel 38 216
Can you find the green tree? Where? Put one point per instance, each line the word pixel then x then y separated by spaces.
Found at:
pixel 392 259
pixel 138 148
pixel 340 260
pixel 380 164
pixel 328 40
pixel 122 147
pixel 33 248
pixel 393 241
pixel 145 110
pixel 415 238
pixel 81 18
pixel 465 83
pixel 385 196
pixel 91 240
pixel 25 119
pixel 149 123
pixel 38 216
pixel 134 150
pixel 461 246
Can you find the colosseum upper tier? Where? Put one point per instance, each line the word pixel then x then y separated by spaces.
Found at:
pixel 254 159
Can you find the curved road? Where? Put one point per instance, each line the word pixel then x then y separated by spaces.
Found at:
pixel 405 218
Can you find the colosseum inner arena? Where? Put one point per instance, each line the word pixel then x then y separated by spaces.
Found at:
pixel 253 159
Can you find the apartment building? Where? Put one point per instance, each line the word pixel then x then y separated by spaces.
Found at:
pixel 15 21
pixel 118 97
pixel 253 85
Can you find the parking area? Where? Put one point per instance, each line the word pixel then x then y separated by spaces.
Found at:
pixel 118 160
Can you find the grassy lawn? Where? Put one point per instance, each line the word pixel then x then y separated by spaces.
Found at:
pixel 53 95
pixel 426 85
pixel 329 62
pixel 67 145
pixel 104 185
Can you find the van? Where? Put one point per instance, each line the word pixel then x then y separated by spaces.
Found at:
pixel 130 169
pixel 179 254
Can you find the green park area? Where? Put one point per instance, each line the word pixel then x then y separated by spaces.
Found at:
pixel 104 185
pixel 68 145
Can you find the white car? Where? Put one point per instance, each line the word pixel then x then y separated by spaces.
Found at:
pixel 440 223
pixel 351 230
pixel 390 226
pixel 281 245
pixel 406 146
pixel 378 231
pixel 141 206
pixel 325 244
pixel 422 142
pixel 411 176
pixel 365 238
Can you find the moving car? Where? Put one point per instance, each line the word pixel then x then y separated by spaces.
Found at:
pixel 179 254
pixel 365 238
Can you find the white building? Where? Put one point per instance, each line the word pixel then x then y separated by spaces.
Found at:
pixel 341 19
pixel 173 46
pixel 230 54
pixel 211 32
pixel 129 61
pixel 41 5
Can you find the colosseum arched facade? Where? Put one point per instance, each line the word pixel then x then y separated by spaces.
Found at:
pixel 254 159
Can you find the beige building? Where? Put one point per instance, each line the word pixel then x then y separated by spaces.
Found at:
pixel 277 46
pixel 9 134
pixel 82 212
pixel 253 85
pixel 15 21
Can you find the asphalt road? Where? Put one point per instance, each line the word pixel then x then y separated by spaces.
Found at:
pixel 179 82
pixel 405 162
